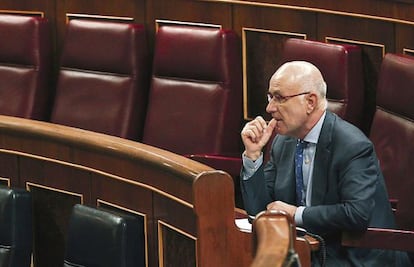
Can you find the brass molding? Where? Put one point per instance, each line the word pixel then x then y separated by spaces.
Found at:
pixel 159 22
pixel 160 224
pixel 351 41
pixel 70 16
pixel 111 176
pixel 100 201
pixel 29 184
pixel 312 9
pixel 7 180
pixel 23 12
pixel 408 51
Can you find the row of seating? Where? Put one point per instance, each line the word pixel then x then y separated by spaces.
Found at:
pixel 193 104
pixel 114 238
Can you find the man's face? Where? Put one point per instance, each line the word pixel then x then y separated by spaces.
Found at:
pixel 287 105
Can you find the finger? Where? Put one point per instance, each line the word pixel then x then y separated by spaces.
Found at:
pixel 261 121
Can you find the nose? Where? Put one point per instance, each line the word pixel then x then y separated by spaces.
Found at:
pixel 271 107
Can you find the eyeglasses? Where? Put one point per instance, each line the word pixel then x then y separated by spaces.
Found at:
pixel 282 99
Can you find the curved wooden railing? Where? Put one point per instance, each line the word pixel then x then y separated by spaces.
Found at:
pixel 187 208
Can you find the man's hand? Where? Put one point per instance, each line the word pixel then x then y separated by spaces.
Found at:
pixel 280 205
pixel 255 136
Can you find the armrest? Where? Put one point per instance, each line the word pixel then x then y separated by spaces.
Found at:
pixel 380 238
pixel 230 164
pixel 273 239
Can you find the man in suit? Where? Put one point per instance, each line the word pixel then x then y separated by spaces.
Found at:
pixel 342 188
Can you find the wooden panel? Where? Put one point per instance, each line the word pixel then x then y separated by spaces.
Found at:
pixel 187 11
pixel 9 174
pixel 404 39
pixel 261 58
pixel 51 212
pixel 262 42
pixel 176 247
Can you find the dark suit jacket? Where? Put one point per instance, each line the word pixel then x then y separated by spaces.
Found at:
pixel 348 189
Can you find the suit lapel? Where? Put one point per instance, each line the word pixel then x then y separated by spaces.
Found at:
pixel 286 172
pixel 322 160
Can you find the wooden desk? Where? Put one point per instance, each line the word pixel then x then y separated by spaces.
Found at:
pixel 187 207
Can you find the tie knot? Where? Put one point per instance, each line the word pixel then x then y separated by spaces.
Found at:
pixel 302 143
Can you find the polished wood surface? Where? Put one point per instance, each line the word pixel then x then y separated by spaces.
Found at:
pixel 274 237
pixel 187 208
pixel 181 201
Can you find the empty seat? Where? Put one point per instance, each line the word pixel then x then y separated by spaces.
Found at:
pixel 392 133
pixel 15 227
pixel 101 238
pixel 25 66
pixel 103 78
pixel 341 66
pixel 195 102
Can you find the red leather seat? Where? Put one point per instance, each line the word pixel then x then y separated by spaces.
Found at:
pixel 195 102
pixel 341 66
pixel 392 133
pixel 103 78
pixel 25 66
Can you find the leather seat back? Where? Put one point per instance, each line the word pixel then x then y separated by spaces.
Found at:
pixel 195 102
pixel 103 78
pixel 392 133
pixel 25 66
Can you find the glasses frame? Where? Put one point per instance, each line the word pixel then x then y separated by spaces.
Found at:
pixel 282 99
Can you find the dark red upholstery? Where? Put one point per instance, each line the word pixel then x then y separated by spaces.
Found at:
pixel 25 66
pixel 102 84
pixel 341 66
pixel 195 103
pixel 392 133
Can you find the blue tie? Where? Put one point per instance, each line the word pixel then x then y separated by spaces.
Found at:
pixel 300 193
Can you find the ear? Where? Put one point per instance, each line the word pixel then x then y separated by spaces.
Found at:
pixel 311 102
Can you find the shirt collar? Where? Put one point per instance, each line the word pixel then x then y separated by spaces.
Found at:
pixel 313 135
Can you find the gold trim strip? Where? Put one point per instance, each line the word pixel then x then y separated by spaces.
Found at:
pixel 6 179
pixel 351 41
pixel 177 22
pixel 70 16
pixel 313 9
pixel 22 12
pixel 160 244
pixel 408 51
pixel 98 201
pixel 112 176
pixel 244 47
pixel 28 184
